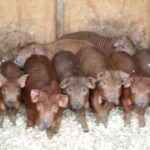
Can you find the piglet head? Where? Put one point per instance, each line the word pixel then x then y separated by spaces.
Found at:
pixel 25 52
pixel 48 107
pixel 125 44
pixel 140 90
pixel 77 88
pixel 110 84
pixel 11 90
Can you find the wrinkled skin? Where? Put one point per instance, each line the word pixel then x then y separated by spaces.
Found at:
pixel 42 96
pixel 107 45
pixel 136 92
pixel 11 83
pixel 49 49
pixel 74 84
pixel 143 61
pixel 108 85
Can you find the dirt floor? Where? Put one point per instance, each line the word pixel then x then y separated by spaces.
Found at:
pixel 71 136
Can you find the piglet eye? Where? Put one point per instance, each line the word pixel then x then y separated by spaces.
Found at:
pixel 69 90
pixel 84 90
pixel 54 108
pixel 4 90
pixel 102 84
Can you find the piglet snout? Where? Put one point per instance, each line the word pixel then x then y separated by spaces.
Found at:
pixel 11 102
pixel 113 98
pixel 141 102
pixel 76 105
pixel 46 123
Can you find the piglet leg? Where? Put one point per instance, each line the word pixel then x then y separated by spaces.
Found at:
pixel 96 102
pixel 12 114
pixel 1 118
pixel 141 112
pixel 127 111
pixel 53 129
pixel 30 118
pixel 81 117
pixel 103 116
pixel 58 125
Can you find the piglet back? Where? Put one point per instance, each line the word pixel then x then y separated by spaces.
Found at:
pixel 10 70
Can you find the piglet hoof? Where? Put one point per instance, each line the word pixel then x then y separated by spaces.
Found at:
pixel 13 120
pixel 102 119
pixel 1 124
pixel 141 121
pixel 30 124
pixel 86 130
pixel 49 134
pixel 105 124
pixel 127 120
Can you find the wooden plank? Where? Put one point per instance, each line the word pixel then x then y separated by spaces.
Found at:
pixel 9 38
pixel 37 20
pixel 59 17
pixel 109 18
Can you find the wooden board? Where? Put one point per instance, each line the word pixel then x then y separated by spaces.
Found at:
pixel 24 21
pixel 110 18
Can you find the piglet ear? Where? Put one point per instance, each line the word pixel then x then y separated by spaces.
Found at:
pixel 62 100
pixel 127 83
pixel 2 79
pixel 22 80
pixel 123 75
pixel 90 82
pixel 2 106
pixel 35 94
pixel 119 42
pixel 65 83
pixel 100 75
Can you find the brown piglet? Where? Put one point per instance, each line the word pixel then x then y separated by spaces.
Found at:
pixel 11 83
pixel 109 81
pixel 74 84
pixel 42 96
pixel 49 49
pixel 136 90
pixel 107 45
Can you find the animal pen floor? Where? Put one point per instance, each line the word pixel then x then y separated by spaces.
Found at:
pixel 71 136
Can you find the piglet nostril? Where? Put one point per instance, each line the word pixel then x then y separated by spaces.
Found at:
pixel 11 102
pixel 141 102
pixel 46 123
pixel 77 105
pixel 113 98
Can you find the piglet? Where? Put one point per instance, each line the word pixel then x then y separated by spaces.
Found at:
pixel 109 81
pixel 74 84
pixel 11 83
pixel 48 49
pixel 42 96
pixel 136 90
